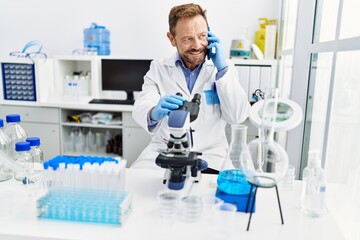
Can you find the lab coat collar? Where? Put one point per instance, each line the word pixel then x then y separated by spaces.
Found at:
pixel 178 75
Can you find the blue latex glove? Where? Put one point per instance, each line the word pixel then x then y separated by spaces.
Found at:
pixel 165 105
pixel 218 57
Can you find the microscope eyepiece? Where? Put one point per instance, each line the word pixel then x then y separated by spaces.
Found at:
pixel 196 98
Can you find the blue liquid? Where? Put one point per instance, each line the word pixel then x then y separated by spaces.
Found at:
pixel 233 182
pixel 85 206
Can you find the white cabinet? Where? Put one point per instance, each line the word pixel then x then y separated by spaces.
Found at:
pixel 42 122
pixel 135 139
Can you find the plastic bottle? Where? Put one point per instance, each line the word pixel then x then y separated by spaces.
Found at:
pixel 5 144
pixel 24 158
pixel 90 141
pixel 97 37
pixel 79 140
pixel 36 153
pixel 75 88
pixel 314 186
pixel 71 143
pixel 67 85
pixel 107 137
pixel 14 131
pixel 260 35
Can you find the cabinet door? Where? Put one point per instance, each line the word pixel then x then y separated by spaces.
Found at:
pixel 49 137
pixel 32 114
pixel 135 139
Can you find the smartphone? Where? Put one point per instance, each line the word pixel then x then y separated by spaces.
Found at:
pixel 208 50
pixel 213 50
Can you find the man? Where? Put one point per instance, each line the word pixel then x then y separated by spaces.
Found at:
pixel 199 66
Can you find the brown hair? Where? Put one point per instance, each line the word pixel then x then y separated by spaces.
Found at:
pixel 184 11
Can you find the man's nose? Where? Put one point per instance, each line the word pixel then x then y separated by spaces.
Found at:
pixel 196 43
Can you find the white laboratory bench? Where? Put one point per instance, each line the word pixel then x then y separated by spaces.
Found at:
pixel 21 222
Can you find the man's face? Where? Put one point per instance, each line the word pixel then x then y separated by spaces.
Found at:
pixel 190 40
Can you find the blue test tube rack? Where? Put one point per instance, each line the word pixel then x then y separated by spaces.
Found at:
pixel 85 189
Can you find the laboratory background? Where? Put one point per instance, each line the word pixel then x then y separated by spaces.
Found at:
pixel 308 50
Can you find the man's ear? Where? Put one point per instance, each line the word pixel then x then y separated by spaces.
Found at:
pixel 171 38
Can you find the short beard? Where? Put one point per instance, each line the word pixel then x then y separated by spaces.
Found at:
pixel 197 61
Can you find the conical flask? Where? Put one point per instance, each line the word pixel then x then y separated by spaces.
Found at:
pixel 232 178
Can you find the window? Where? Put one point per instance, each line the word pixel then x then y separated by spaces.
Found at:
pixel 350 19
pixel 326 20
pixel 326 83
pixel 286 46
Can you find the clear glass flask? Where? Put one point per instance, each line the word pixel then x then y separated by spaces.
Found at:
pixel 232 178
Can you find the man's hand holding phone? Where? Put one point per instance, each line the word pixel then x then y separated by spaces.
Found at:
pixel 218 56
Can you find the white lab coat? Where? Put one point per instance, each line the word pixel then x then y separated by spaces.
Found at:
pixel 165 78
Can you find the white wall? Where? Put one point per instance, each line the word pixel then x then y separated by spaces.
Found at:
pixel 137 27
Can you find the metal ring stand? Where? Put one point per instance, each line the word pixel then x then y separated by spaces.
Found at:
pixel 256 186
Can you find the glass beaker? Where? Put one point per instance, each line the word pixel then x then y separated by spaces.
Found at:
pixel 232 178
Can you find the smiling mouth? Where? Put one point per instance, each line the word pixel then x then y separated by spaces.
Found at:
pixel 196 53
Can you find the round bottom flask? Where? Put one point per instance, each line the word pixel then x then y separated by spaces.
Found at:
pixel 270 160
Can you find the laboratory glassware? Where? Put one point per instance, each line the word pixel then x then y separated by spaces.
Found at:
pixel 233 186
pixel 5 144
pixel 287 183
pixel 168 205
pixel 14 131
pixel 269 157
pixel 232 179
pixel 23 158
pixel 190 209
pixel 36 153
pixel 35 150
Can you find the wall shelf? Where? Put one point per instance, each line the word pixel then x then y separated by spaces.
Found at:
pixel 89 125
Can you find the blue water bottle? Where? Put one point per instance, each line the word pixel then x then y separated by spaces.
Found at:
pixel 97 37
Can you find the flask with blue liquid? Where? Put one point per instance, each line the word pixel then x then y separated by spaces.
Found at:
pixel 233 186
pixel 97 38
